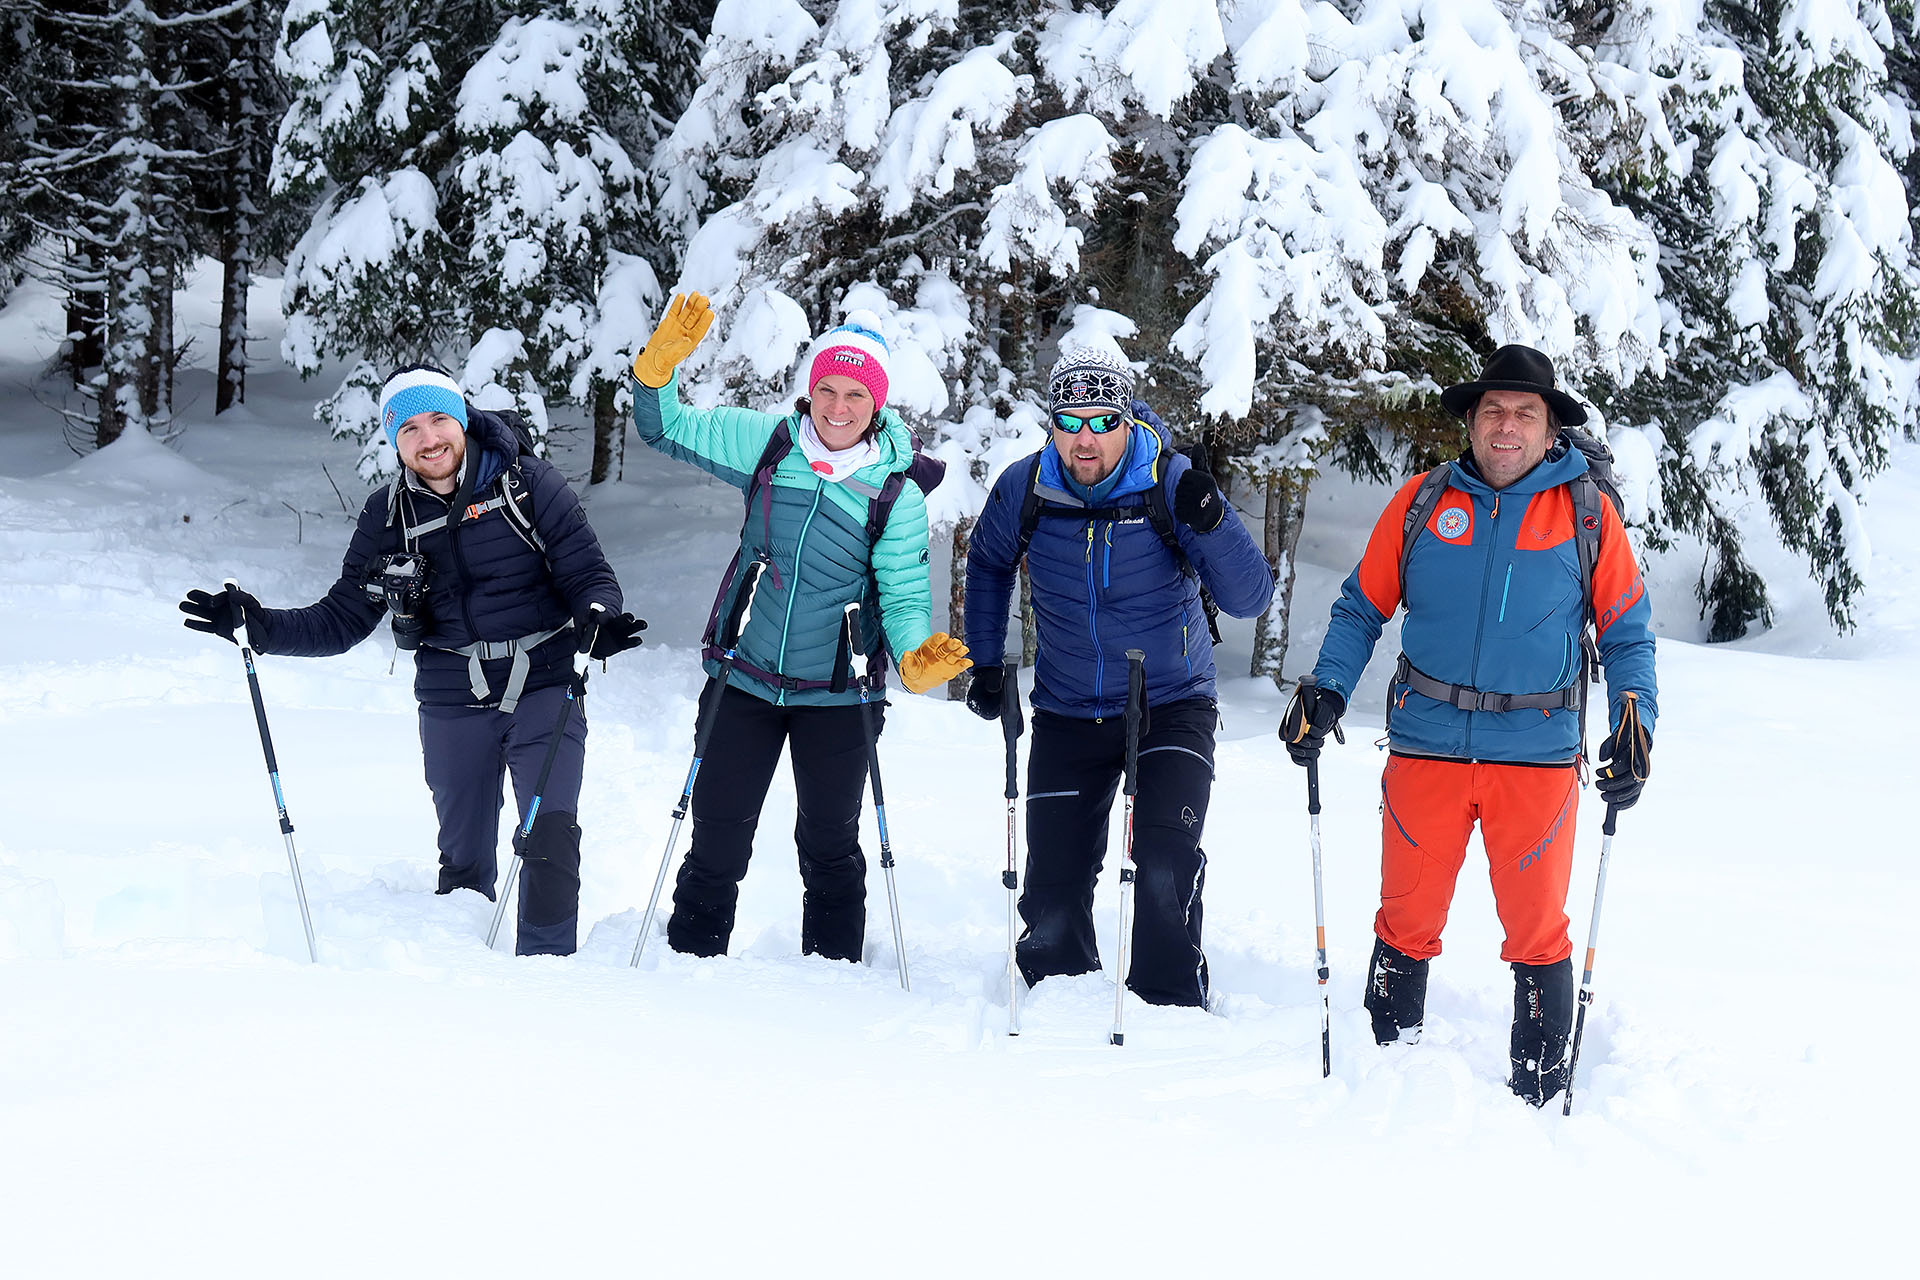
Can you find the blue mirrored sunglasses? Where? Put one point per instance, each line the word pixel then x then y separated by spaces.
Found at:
pixel 1099 425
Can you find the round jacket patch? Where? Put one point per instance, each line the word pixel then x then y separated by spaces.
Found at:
pixel 1451 523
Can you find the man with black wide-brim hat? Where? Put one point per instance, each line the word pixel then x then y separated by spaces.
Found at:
pixel 1502 558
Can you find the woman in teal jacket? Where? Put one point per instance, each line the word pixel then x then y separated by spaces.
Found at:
pixel 807 530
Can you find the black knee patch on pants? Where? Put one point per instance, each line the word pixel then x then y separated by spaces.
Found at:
pixel 1542 1018
pixel 550 887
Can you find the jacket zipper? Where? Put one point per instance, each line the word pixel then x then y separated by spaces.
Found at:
pixel 1486 585
pixel 1093 627
pixel 793 588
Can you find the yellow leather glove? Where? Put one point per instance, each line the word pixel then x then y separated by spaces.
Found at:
pixel 937 661
pixel 687 320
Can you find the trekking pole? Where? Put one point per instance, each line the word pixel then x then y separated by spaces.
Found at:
pixel 706 711
pixel 1319 905
pixel 1593 942
pixel 576 690
pixel 1010 727
pixel 851 635
pixel 1634 760
pixel 273 765
pixel 1136 703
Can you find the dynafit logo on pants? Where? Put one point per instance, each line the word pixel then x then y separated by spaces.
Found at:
pixel 1452 523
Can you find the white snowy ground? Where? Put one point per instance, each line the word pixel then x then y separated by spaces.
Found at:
pixel 182 1093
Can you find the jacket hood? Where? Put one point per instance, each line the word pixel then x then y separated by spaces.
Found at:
pixel 1147 446
pixel 495 442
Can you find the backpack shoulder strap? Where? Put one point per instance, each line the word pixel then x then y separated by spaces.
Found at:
pixel 1160 516
pixel 1425 499
pixel 779 445
pixel 1029 505
pixel 924 471
pixel 518 507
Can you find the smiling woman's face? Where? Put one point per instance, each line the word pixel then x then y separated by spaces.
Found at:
pixel 842 410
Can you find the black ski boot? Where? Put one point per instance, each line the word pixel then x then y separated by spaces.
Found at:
pixel 1542 1016
pixel 1396 995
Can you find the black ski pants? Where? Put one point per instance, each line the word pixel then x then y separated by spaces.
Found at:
pixel 468 753
pixel 1073 771
pixel 829 750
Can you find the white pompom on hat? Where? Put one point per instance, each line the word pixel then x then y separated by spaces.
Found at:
pixel 853 349
pixel 420 389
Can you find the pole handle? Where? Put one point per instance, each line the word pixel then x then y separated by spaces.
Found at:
pixel 232 587
pixel 1613 815
pixel 1012 724
pixel 1313 787
pixel 1136 705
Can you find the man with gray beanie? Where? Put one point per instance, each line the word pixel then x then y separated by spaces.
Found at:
pixel 1120 533
pixel 486 560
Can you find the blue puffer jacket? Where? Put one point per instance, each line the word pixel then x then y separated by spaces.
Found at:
pixel 1104 586
pixel 1493 603
pixel 488 582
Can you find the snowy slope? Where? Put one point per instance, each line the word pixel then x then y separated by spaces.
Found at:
pixel 181 1093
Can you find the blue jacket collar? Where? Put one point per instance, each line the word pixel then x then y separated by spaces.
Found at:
pixel 1138 471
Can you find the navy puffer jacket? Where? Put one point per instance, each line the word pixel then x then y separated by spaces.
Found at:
pixel 1105 585
pixel 487 581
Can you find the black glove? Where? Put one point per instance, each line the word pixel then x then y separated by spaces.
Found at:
pixel 615 634
pixel 985 693
pixel 1629 749
pixel 1309 718
pixel 1197 500
pixel 212 612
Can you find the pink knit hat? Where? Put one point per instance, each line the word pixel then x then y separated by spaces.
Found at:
pixel 854 350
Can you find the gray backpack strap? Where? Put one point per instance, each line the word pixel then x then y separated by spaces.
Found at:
pixel 1419 511
pixel 493 651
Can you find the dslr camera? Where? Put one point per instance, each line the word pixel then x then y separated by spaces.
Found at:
pixel 399 581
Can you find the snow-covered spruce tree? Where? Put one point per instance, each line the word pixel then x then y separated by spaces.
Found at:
pixel 22 87
pixel 108 173
pixel 247 106
pixel 476 167
pixel 1776 188
pixel 1375 202
pixel 857 154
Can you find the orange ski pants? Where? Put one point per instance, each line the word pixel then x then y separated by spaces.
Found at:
pixel 1526 816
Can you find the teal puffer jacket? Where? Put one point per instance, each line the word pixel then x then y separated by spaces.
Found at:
pixel 813 534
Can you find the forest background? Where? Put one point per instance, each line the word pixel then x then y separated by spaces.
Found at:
pixel 1300 219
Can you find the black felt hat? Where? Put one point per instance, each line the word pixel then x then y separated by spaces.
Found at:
pixel 1516 368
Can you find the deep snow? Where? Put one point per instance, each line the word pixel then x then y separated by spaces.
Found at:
pixel 181 1092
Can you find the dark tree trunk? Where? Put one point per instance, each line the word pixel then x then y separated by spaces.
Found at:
pixel 1286 510
pixel 957 598
pixel 609 436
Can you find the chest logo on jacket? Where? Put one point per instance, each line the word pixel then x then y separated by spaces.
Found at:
pixel 1452 523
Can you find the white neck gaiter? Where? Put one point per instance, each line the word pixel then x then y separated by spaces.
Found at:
pixel 832 465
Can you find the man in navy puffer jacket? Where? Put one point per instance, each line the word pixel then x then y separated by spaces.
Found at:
pixel 512 571
pixel 1105 582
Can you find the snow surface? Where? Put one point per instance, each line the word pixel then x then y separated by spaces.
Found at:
pixel 182 1093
